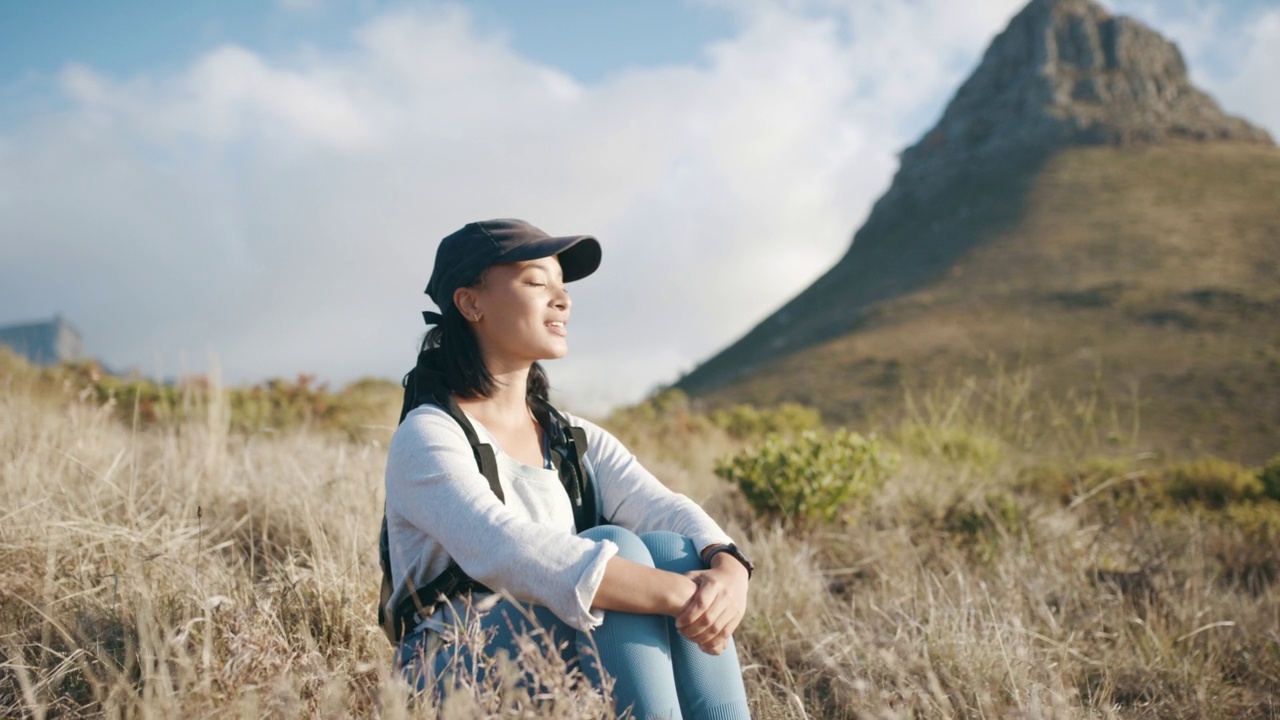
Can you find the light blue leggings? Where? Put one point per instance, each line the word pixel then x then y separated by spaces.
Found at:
pixel 657 673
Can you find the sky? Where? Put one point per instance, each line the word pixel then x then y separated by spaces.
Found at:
pixel 257 188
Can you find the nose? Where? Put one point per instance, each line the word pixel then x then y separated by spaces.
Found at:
pixel 562 301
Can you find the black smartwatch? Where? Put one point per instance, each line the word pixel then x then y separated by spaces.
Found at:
pixel 737 554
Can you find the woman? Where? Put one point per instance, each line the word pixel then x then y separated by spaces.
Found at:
pixel 655 591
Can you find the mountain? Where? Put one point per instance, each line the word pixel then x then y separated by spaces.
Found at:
pixel 1080 209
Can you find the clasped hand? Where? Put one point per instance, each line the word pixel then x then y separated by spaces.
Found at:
pixel 716 608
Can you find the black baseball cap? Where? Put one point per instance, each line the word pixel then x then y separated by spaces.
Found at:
pixel 463 255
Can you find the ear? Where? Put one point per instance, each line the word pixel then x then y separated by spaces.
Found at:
pixel 466 301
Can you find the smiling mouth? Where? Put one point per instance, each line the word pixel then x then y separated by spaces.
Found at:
pixel 557 327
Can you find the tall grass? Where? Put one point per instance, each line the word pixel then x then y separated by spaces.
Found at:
pixel 206 568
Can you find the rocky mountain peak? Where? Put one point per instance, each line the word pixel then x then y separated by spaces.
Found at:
pixel 1063 72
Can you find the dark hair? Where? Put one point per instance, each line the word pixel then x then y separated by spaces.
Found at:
pixel 450 349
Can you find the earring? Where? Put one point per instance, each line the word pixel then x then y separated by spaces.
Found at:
pixel 478 317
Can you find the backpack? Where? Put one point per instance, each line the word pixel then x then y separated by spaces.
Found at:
pixel 568 448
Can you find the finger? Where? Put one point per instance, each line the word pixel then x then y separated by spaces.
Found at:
pixel 723 632
pixel 734 623
pixel 697 617
pixel 713 648
pixel 693 611
pixel 700 630
pixel 712 624
pixel 703 599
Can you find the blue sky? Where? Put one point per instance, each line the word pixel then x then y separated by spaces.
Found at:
pixel 264 183
pixel 587 39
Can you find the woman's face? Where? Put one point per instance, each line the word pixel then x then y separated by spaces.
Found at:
pixel 524 312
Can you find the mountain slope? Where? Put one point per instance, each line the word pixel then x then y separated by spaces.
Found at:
pixel 1080 209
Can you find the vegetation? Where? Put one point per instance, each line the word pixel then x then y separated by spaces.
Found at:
pixel 810 479
pixel 748 422
pixel 1023 558
pixel 273 406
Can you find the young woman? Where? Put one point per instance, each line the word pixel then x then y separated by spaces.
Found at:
pixel 655 591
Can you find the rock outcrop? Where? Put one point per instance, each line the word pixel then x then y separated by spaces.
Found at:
pixel 1062 72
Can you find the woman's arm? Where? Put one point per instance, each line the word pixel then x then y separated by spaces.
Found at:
pixel 633 498
pixel 630 587
pixel 708 604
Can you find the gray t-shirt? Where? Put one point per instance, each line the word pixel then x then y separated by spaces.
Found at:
pixel 440 508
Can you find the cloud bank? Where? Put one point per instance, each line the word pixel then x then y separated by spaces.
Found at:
pixel 282 212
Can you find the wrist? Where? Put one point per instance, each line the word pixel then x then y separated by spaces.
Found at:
pixel 726 563
pixel 678 595
pixel 714 554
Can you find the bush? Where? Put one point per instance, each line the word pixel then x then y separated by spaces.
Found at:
pixel 744 422
pixel 1211 482
pixel 1269 476
pixel 811 478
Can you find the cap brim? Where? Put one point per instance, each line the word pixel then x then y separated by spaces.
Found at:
pixel 579 254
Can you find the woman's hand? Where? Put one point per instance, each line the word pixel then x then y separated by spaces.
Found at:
pixel 717 606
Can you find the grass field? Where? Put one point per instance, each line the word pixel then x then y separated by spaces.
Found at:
pixel 1023 560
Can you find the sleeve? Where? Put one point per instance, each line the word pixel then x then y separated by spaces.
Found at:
pixel 633 498
pixel 433 483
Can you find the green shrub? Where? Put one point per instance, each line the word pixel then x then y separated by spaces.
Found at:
pixel 744 422
pixel 1211 482
pixel 1269 476
pixel 811 478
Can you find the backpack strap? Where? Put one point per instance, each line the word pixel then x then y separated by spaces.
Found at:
pixel 423 387
pixel 568 447
pixel 486 459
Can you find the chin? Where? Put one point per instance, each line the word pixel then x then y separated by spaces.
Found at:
pixel 555 352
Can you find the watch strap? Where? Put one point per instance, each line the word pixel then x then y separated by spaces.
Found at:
pixel 737 554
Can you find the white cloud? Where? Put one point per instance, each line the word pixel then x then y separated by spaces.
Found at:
pixel 283 211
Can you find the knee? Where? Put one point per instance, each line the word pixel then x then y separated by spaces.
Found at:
pixel 672 551
pixel 629 545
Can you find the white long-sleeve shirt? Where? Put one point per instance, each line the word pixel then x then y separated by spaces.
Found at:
pixel 440 508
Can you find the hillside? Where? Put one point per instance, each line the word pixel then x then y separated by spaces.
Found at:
pixel 1080 211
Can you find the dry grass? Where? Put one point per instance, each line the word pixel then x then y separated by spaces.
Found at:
pixel 192 570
